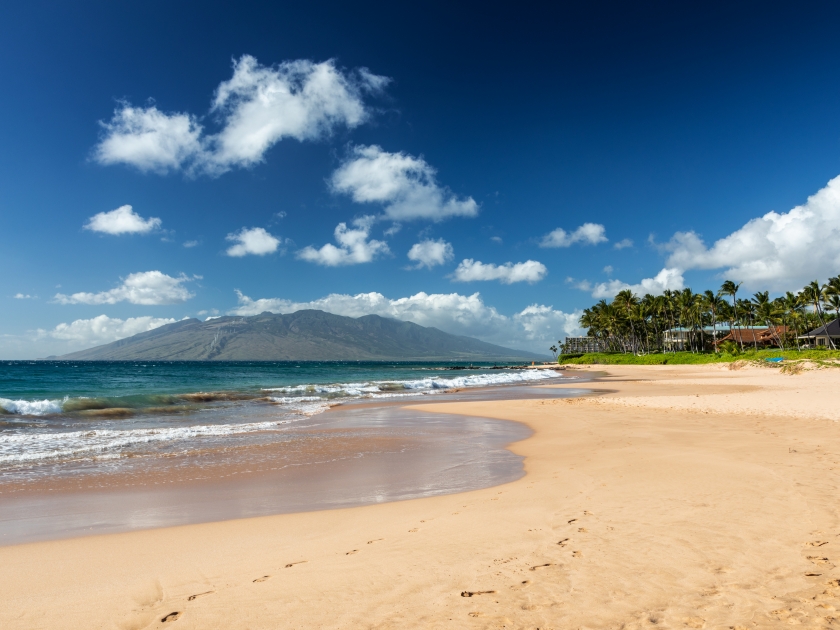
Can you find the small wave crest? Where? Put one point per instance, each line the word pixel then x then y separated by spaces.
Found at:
pixel 30 407
pixel 379 389
pixel 28 447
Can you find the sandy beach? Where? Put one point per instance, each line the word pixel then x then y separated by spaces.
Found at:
pixel 670 497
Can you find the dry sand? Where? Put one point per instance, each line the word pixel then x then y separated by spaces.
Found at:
pixel 680 497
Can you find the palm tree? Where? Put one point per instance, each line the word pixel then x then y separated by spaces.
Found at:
pixel 626 301
pixel 731 289
pixel 712 302
pixel 792 305
pixel 834 302
pixel 766 312
pixel 813 294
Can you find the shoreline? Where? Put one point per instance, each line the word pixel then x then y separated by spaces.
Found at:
pixel 354 454
pixel 673 500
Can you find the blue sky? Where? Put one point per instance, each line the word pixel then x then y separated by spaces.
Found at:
pixel 530 161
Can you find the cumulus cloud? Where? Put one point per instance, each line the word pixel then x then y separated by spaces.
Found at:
pixel 24 296
pixel 778 251
pixel 534 328
pixel 588 234
pixel 148 288
pixel 405 185
pixel 256 108
pixel 666 279
pixel 190 244
pixel 623 244
pixel 254 241
pixel 471 270
pixel 123 220
pixel 354 246
pixel 103 329
pixel 148 139
pixel 429 253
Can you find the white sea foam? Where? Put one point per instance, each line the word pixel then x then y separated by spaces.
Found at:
pixel 377 389
pixel 295 401
pixel 27 447
pixel 30 407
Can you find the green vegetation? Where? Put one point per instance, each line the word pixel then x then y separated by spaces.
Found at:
pixel 637 326
pixel 694 358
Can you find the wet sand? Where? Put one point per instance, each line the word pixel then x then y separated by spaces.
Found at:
pixel 355 454
pixel 686 497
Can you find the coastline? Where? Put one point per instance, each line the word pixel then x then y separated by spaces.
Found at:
pixel 685 496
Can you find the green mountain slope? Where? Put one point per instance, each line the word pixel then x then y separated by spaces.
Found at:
pixel 302 336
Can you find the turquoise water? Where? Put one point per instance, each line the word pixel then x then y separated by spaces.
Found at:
pixel 63 418
pixel 31 388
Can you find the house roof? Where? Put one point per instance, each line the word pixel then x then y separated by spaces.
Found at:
pixel 755 335
pixel 831 329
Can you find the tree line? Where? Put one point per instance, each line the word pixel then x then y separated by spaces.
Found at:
pixel 629 323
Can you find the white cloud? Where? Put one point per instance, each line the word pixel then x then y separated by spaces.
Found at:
pixel 665 279
pixel 404 184
pixel 24 296
pixel 123 220
pixel 608 269
pixel 429 253
pixel 472 270
pixel 353 246
pixel 534 328
pixel 623 244
pixel 103 329
pixel 297 99
pixel 189 244
pixel 776 251
pixel 588 234
pixel 148 139
pixel 496 239
pixel 145 287
pixel 257 107
pixel 254 241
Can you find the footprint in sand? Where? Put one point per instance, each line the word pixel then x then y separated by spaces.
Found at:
pixel 576 554
pixel 585 513
pixel 818 560
pixel 474 614
pixel 563 542
pixel 540 566
pixel 263 578
pixel 173 616
pixel 816 543
pixel 572 521
pixel 413 530
pixel 582 530
pixel 291 564
pixel 350 553
pixel 695 622
pixel 474 593
pixel 370 542
pixel 197 595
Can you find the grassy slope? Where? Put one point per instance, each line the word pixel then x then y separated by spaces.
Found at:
pixel 689 358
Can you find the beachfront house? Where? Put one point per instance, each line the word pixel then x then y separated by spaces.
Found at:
pixel 819 336
pixel 582 345
pixel 756 336
pixel 680 339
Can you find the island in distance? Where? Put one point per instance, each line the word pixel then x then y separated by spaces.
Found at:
pixel 308 335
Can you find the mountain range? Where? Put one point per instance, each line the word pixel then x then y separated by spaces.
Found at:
pixel 308 335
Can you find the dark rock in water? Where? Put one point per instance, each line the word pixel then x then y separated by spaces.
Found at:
pixel 308 335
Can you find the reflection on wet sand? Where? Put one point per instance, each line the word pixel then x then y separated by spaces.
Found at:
pixel 355 454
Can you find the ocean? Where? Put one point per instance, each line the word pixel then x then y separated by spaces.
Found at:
pixel 103 427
